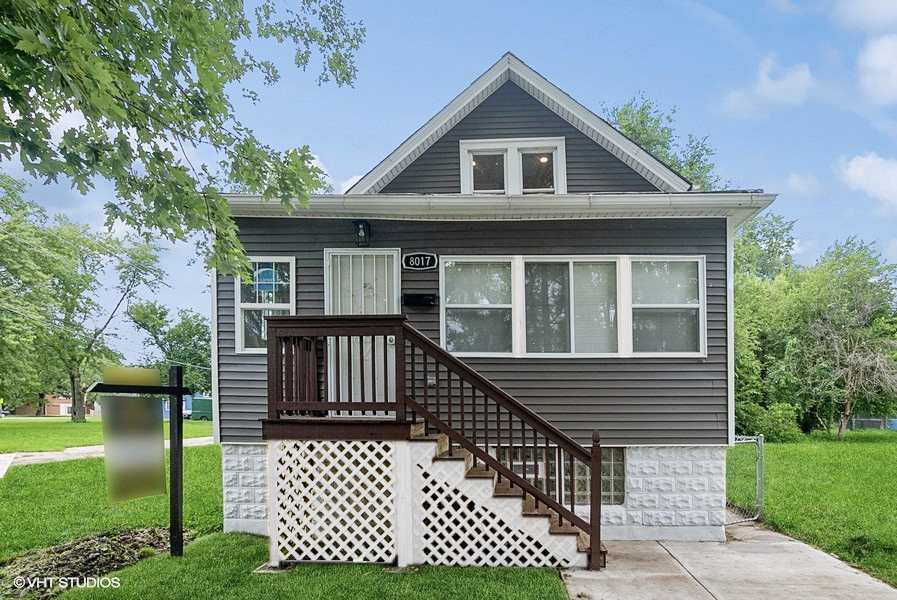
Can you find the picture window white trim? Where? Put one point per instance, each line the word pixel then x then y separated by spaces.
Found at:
pixel 512 150
pixel 624 305
pixel 259 303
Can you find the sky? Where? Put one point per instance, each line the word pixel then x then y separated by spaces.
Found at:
pixel 798 98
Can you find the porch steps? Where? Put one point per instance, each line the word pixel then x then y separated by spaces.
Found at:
pixel 504 489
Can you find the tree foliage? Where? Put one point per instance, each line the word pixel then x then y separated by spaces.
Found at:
pixel 55 327
pixel 645 123
pixel 186 342
pixel 819 339
pixel 764 246
pixel 128 90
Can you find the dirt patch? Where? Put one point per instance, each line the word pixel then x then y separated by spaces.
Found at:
pixel 92 556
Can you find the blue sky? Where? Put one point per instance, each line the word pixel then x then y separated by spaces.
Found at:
pixel 798 98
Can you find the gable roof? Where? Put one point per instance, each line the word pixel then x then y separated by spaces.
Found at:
pixel 511 68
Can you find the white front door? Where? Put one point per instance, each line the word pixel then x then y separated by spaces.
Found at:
pixel 362 282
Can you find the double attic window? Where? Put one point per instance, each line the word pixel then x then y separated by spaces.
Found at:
pixel 513 166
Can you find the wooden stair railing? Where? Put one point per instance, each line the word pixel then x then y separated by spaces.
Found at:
pixel 524 450
pixel 385 369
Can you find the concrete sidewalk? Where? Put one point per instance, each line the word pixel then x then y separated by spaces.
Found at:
pixel 754 563
pixel 31 458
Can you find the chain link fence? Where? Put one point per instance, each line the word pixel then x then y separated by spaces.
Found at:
pixel 744 479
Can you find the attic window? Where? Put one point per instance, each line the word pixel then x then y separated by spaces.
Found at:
pixel 513 166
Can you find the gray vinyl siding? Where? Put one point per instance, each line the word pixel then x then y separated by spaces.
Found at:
pixel 512 113
pixel 629 400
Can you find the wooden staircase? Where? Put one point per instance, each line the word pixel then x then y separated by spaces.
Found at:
pixel 393 379
pixel 529 507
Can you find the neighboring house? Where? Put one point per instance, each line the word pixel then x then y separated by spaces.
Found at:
pixel 533 242
pixel 57 406
pixel 54 406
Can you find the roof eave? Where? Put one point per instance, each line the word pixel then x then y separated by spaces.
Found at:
pixel 740 206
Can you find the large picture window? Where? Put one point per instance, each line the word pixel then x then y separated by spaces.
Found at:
pixel 271 292
pixel 513 166
pixel 586 306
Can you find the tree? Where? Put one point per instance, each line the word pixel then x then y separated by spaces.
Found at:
pixel 136 85
pixel 646 124
pixel 54 327
pixel 838 309
pixel 764 246
pixel 186 342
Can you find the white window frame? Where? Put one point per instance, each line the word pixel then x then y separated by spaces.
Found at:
pixel 624 304
pixel 701 306
pixel 512 149
pixel 240 306
pixel 444 305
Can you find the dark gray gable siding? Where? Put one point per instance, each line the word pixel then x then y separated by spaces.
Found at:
pixel 630 401
pixel 512 113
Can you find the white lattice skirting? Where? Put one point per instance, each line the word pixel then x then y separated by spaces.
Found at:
pixel 384 502
pixel 333 501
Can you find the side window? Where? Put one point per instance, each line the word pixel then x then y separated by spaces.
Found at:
pixel 666 306
pixel 270 292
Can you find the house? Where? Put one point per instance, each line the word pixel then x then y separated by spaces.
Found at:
pixel 430 367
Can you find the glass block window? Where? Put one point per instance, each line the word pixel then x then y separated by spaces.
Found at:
pixel 270 292
pixel 613 479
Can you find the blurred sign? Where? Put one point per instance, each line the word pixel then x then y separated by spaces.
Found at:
pixel 132 436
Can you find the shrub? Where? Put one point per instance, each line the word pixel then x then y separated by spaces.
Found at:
pixel 778 423
pixel 748 418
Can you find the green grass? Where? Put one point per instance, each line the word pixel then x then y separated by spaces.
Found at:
pixel 46 504
pixel 837 496
pixel 220 566
pixel 45 434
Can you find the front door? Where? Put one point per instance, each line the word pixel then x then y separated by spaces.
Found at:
pixel 361 282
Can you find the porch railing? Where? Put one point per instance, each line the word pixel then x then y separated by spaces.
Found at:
pixel 385 369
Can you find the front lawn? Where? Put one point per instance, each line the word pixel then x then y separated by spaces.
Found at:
pixel 837 496
pixel 46 434
pixel 220 566
pixel 46 504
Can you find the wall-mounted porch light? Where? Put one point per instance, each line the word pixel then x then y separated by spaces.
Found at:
pixel 362 233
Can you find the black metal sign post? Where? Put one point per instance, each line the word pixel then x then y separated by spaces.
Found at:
pixel 175 391
pixel 176 455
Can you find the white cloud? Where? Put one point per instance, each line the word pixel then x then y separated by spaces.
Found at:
pixel 342 186
pixel 870 15
pixel 787 86
pixel 873 175
pixel 877 65
pixel 804 186
pixel 890 251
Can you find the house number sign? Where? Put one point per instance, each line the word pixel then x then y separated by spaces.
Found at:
pixel 420 261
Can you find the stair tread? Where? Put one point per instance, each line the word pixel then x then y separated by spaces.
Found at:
pixel 503 488
pixel 456 454
pixel 480 471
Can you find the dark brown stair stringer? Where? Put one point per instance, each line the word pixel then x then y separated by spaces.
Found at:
pixel 529 505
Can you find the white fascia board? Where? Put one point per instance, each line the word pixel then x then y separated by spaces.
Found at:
pixel 739 206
